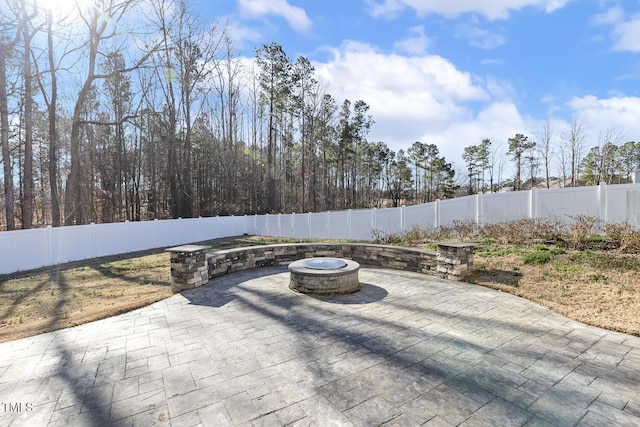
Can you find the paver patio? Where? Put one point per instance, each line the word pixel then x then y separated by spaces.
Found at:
pixel 406 350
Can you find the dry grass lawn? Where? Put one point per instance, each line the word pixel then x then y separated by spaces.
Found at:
pixel 58 297
pixel 598 288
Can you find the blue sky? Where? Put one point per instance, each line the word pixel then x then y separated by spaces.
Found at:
pixel 455 71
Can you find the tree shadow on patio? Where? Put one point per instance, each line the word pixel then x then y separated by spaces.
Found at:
pixel 442 359
pixel 367 294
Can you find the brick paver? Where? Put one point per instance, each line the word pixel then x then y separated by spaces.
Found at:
pixel 245 350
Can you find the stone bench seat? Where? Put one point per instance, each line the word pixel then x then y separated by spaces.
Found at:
pixel 452 261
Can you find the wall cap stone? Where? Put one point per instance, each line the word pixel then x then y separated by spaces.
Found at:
pixel 188 249
pixel 457 244
pixel 325 244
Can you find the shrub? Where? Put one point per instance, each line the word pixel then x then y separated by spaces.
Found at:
pixel 504 232
pixel 582 227
pixel 443 233
pixel 498 252
pixel 589 256
pixel 623 236
pixel 466 229
pixel 414 235
pixel 381 237
pixel 517 231
pixel 537 257
pixel 567 268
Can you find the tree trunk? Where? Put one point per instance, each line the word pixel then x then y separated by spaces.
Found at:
pixel 73 195
pixel 27 191
pixel 4 131
pixel 53 134
pixel 516 185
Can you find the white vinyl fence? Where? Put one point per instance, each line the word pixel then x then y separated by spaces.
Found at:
pixel 41 247
pixel 27 249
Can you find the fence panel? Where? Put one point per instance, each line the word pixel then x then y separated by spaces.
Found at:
pixel 114 239
pixel 216 227
pixel 260 225
pixel 561 203
pixel 273 225
pixel 420 215
pixel 318 225
pixel 461 209
pixel 499 207
pixel 166 232
pixel 239 225
pixel 361 224
pixel 388 220
pixel 622 204
pixel 24 249
pixel 339 225
pixel 302 226
pixel 191 229
pixel 287 225
pixel 633 207
pixel 72 243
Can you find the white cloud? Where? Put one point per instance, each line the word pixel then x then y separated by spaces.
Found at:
pixel 500 89
pixel 386 9
pixel 479 37
pixel 242 33
pixel 498 121
pixel 611 16
pixel 627 35
pixel 416 43
pixel 553 5
pixel 621 112
pixel 421 98
pixel 548 99
pixel 624 32
pixel 491 9
pixel 296 16
pixel 492 61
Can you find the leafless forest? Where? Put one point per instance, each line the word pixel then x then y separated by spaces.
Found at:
pixel 133 110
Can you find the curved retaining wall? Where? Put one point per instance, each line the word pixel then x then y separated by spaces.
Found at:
pixel 452 260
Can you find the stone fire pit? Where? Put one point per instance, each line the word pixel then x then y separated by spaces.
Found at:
pixel 324 276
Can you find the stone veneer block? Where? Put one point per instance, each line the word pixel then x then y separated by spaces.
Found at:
pixel 452 261
pixel 189 267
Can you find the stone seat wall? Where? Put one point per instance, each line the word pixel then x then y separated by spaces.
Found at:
pixel 452 260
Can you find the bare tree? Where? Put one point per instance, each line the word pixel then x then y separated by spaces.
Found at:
pixel 563 164
pixel 28 32
pixel 7 46
pixel 574 142
pixel 227 86
pixel 99 30
pixel 496 168
pixel 544 145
